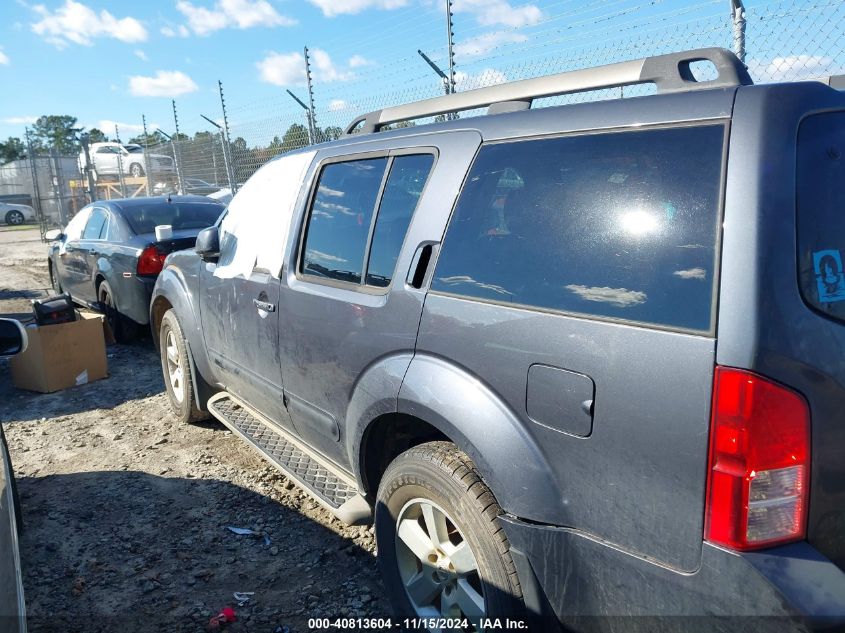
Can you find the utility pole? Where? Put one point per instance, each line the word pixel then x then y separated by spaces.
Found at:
pixel 436 69
pixel 214 158
pixel 450 34
pixel 738 20
pixel 312 119
pixel 307 115
pixel 146 157
pixel 178 162
pixel 87 170
pixel 228 157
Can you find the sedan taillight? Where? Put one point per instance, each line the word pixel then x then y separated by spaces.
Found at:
pixel 151 261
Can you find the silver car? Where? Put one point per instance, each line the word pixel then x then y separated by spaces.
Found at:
pixel 15 214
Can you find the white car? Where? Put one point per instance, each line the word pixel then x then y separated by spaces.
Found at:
pixel 16 213
pixel 108 158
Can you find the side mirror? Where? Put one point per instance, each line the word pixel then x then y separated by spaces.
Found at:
pixel 54 234
pixel 12 337
pixel 208 244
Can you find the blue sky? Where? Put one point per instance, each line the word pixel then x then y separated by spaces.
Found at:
pixel 107 61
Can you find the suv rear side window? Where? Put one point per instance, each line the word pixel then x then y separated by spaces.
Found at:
pixel 340 228
pixel 821 212
pixel 617 225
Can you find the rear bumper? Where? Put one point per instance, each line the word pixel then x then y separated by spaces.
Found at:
pixel 136 303
pixel 590 586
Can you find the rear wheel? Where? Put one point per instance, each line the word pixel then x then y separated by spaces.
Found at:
pixel 176 368
pixel 123 328
pixel 442 552
pixel 54 278
pixel 136 170
pixel 14 217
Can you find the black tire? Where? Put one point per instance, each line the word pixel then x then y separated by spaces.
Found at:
pixel 123 328
pixel 16 500
pixel 54 278
pixel 135 170
pixel 14 217
pixel 438 473
pixel 185 409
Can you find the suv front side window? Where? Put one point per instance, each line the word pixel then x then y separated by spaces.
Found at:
pixel 359 215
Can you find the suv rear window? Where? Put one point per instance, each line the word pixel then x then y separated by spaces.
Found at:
pixel 616 225
pixel 821 212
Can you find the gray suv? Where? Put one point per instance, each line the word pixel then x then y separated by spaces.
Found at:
pixel 577 363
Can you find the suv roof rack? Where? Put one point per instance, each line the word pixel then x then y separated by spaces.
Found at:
pixel 670 73
pixel 835 81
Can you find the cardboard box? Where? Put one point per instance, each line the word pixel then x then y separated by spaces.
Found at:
pixel 107 333
pixel 61 356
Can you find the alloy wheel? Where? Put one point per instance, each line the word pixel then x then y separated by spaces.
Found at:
pixel 175 370
pixel 437 565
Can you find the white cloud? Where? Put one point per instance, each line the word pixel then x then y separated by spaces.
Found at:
pixel 180 31
pixel 487 77
pixel 166 83
pixel 482 44
pixel 4 59
pixel 692 273
pixel 619 297
pixel 337 104
pixel 332 8
pixel 356 61
pixel 288 69
pixel 140 54
pixel 78 23
pixel 242 14
pixel 282 69
pixel 499 12
pixel 20 120
pixel 791 67
pixel 325 70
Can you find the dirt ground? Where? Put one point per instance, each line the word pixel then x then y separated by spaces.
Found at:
pixel 125 511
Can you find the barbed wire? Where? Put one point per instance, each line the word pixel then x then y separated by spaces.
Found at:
pixel 784 40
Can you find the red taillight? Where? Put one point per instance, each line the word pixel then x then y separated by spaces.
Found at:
pixel 151 261
pixel 759 467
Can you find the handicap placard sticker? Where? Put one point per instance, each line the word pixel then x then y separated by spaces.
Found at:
pixel 830 278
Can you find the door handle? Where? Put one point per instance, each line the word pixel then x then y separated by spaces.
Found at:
pixel 264 305
pixel 419 265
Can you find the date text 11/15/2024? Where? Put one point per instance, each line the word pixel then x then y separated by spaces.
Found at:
pixel 413 624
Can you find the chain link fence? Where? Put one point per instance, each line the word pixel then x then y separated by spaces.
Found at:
pixel 39 190
pixel 779 40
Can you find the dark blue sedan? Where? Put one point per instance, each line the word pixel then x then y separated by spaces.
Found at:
pixel 108 256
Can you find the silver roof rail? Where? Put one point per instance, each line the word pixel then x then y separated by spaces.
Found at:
pixel 834 81
pixel 670 73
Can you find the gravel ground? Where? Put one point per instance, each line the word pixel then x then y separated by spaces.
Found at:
pixel 125 510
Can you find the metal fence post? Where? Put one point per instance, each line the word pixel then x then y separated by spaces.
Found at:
pixel 36 190
pixel 312 119
pixel 59 184
pixel 146 157
pixel 120 163
pixel 228 157
pixel 738 22
pixel 178 162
